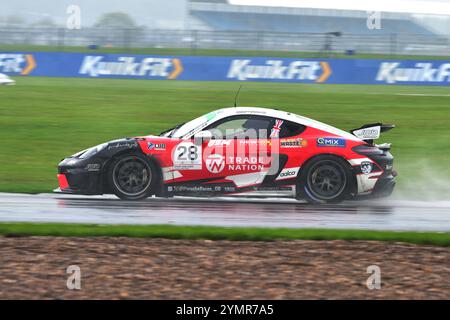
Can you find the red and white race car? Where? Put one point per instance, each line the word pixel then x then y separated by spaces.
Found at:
pixel 6 81
pixel 241 150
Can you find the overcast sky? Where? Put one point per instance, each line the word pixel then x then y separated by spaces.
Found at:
pixel 152 13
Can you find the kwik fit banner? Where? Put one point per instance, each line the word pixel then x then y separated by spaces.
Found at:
pixel 147 67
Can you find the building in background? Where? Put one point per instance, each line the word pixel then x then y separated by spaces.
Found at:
pixel 218 24
pixel 220 15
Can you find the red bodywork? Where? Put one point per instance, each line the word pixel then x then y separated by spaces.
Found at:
pixel 240 168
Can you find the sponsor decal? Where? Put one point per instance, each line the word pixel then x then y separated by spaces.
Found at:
pixel 330 142
pixel 128 145
pixel 96 66
pixel 391 72
pixel 191 188
pixel 156 146
pixel 256 141
pixel 366 167
pixel 93 167
pixel 215 163
pixel 217 143
pixel 17 63
pixel 288 173
pixel 293 143
pixel 368 133
pixel 243 69
pixel 274 188
pixel 276 128
pixel 251 112
pixel 246 163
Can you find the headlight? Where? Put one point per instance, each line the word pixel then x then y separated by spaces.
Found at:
pixel 92 151
pixel 76 155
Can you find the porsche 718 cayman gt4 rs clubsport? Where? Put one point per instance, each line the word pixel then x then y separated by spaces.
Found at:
pixel 238 151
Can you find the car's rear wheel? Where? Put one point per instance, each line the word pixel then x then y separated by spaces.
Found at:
pixel 325 179
pixel 132 177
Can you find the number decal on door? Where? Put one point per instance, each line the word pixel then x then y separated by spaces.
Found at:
pixel 187 153
pixel 187 156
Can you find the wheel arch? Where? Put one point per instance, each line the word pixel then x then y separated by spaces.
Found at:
pixel 151 158
pixel 354 182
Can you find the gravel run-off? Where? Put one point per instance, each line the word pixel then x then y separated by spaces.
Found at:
pixel 134 268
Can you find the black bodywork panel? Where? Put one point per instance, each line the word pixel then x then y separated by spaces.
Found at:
pixel 86 176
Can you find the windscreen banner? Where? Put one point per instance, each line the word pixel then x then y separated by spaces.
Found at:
pixel 242 69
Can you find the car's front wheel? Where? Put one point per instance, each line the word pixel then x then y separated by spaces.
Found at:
pixel 132 177
pixel 325 179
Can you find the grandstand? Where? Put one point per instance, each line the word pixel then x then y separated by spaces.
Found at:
pixel 219 25
pixel 219 15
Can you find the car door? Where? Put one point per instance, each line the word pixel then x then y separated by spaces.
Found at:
pixel 286 152
pixel 291 150
pixel 236 151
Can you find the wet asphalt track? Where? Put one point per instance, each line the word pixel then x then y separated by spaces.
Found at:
pixel 271 212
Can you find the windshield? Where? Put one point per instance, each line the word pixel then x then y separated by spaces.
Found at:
pixel 192 125
pixel 169 132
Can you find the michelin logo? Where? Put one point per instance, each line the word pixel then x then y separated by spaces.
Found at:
pixel 242 69
pixel 391 72
pixel 95 66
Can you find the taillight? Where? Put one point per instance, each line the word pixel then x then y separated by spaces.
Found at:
pixel 63 184
pixel 367 150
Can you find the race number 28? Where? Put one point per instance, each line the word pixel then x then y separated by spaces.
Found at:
pixel 187 153
pixel 187 156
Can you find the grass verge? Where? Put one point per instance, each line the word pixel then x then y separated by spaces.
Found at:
pixel 218 233
pixel 43 120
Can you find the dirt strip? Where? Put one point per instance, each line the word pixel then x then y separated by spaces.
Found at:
pixel 130 268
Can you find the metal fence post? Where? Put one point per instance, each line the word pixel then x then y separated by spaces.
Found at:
pixel 258 41
pixel 448 45
pixel 393 45
pixel 193 41
pixel 61 33
pixel 126 39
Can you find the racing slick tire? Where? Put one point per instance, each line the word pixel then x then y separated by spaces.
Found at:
pixel 132 176
pixel 325 179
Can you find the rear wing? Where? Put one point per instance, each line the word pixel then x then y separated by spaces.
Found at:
pixel 370 132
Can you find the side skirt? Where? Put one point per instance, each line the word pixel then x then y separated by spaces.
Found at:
pixel 282 191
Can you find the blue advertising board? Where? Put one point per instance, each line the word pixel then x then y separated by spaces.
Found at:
pixel 202 68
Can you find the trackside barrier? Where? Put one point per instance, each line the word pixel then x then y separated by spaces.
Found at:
pixel 202 68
